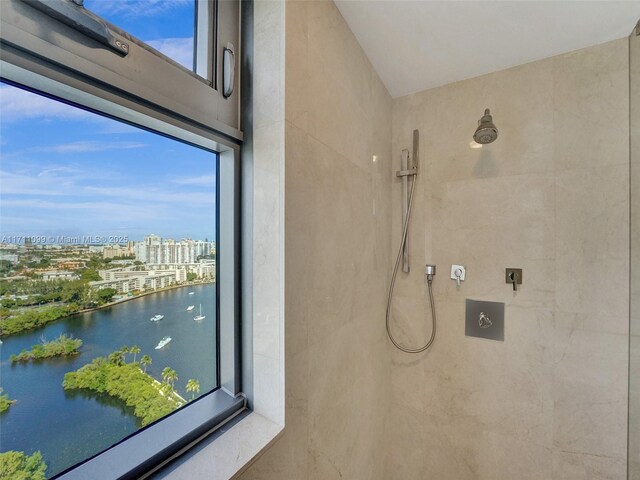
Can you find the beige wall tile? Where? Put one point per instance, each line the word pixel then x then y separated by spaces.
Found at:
pixel 634 362
pixel 549 196
pixel 591 106
pixel 337 234
pixel 577 466
pixel 590 392
pixel 592 241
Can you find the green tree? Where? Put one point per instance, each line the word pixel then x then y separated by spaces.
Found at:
pixel 135 350
pixel 191 276
pixel 169 375
pixel 5 267
pixel 117 357
pixel 73 292
pixel 90 275
pixel 144 361
pixel 128 384
pixel 9 303
pixel 18 466
pixel 5 402
pixel 106 294
pixel 193 386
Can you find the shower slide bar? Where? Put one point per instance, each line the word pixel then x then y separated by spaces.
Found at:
pixel 408 168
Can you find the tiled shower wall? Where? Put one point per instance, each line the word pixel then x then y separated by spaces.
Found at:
pixel 550 196
pixel 337 194
pixel 634 344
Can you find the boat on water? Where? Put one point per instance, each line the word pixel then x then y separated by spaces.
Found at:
pixel 190 307
pixel 201 316
pixel 163 342
pixel 192 293
pixel 157 318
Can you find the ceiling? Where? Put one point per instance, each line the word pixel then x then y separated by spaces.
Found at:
pixel 416 45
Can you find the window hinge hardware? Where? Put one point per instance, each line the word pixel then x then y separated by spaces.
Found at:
pixel 73 14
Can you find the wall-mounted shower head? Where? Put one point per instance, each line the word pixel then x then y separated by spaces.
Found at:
pixel 486 131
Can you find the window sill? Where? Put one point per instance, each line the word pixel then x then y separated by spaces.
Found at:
pixel 226 453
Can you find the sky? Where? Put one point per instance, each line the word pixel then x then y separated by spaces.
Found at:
pixel 68 172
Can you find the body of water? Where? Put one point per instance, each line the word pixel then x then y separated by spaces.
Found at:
pixel 67 427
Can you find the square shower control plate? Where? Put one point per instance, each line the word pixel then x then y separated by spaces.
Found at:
pixel 458 269
pixel 484 320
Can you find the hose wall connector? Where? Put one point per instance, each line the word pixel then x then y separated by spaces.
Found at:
pixel 429 271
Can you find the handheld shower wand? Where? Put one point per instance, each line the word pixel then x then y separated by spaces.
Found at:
pixel 410 169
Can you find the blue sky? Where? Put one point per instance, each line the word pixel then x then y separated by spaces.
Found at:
pixel 64 171
pixel 166 25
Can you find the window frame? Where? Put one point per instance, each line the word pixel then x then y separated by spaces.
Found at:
pixel 54 61
pixel 144 74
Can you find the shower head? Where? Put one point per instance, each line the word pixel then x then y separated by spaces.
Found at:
pixel 486 131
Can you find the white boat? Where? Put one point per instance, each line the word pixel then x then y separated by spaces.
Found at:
pixel 163 342
pixel 190 307
pixel 157 318
pixel 201 316
pixel 192 293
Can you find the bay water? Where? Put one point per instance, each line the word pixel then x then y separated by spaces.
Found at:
pixel 70 426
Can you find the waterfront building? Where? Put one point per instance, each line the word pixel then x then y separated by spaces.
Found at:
pixel 203 269
pixel 141 281
pixel 59 275
pixel 9 257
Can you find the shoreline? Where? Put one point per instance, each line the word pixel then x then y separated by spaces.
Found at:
pixel 107 305
pixel 134 297
pixel 158 384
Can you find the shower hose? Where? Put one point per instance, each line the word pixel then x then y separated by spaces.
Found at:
pixel 405 228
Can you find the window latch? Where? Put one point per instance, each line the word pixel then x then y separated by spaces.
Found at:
pixel 73 14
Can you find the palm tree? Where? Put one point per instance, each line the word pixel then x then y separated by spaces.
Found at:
pixel 169 375
pixel 124 351
pixel 117 357
pixel 144 361
pixel 193 386
pixel 135 350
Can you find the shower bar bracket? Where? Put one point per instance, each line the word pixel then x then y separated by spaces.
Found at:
pixel 406 173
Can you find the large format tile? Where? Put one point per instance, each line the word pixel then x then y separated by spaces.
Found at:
pixel 591 106
pixel 592 241
pixel 590 393
pixel 549 196
pixel 337 236
pixel 579 466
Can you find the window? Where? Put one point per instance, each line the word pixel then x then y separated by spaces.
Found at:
pixel 168 27
pixel 119 226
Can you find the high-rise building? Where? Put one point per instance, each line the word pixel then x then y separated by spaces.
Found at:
pixel 156 250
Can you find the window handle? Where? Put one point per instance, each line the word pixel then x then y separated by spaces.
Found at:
pixel 74 15
pixel 228 70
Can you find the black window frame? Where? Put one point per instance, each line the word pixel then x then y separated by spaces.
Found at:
pixel 43 54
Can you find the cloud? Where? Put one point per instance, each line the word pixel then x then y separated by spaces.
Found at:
pixel 177 49
pixel 61 171
pixel 154 195
pixel 85 215
pixel 17 104
pixel 200 181
pixel 45 182
pixel 87 146
pixel 63 181
pixel 135 8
